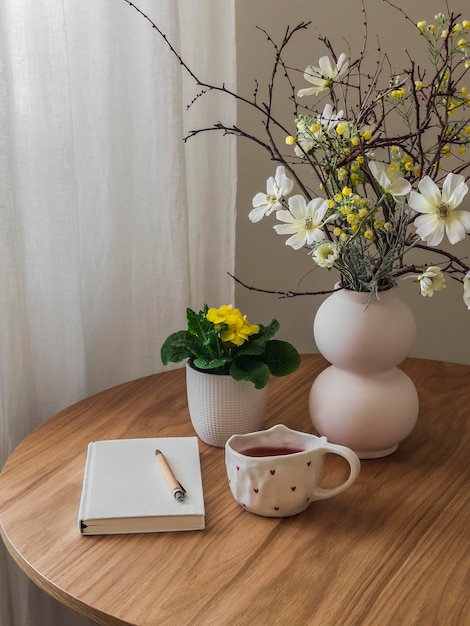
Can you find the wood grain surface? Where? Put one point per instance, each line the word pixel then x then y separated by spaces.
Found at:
pixel 394 549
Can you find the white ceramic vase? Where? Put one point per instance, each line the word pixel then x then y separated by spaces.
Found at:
pixel 220 406
pixel 363 401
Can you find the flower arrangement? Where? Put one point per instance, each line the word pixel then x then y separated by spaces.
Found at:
pixel 384 192
pixel 222 341
pixel 371 165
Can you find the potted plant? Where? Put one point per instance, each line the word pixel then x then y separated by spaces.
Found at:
pixel 229 364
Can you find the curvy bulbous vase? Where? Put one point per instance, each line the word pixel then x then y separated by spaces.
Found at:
pixel 363 400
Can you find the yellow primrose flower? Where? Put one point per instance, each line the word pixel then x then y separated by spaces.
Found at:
pixel 219 316
pixel 239 329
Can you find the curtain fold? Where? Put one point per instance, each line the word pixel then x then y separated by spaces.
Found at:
pixel 111 225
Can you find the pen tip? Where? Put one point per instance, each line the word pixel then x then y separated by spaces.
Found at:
pixel 157 451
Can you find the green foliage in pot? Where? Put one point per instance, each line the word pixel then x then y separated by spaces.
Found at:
pixel 222 341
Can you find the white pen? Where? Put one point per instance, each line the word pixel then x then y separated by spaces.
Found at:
pixel 177 488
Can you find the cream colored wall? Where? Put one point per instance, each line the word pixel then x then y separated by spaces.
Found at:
pixel 262 259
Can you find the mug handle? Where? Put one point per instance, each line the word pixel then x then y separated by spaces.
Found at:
pixel 351 457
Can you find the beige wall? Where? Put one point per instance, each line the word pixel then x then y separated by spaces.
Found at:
pixel 262 258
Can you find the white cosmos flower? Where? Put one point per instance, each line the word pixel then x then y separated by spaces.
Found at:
pixel 466 289
pixel 303 221
pixel 276 189
pixel 325 254
pixel 431 280
pixel 439 214
pixel 323 76
pixel 389 179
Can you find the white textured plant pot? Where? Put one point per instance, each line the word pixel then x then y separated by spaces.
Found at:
pixel 363 401
pixel 220 406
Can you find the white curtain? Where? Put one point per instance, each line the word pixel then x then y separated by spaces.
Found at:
pixel 110 224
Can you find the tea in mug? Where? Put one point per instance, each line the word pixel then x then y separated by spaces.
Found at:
pixel 270 451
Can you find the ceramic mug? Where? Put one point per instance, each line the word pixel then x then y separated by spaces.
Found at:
pixel 277 472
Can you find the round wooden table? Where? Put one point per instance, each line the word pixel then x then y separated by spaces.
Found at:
pixel 393 549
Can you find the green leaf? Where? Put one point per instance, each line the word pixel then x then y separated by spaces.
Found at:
pixel 252 370
pixel 209 364
pixel 256 344
pixel 197 323
pixel 176 347
pixel 281 357
pixel 269 331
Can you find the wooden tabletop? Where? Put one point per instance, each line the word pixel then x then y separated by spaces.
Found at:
pixel 393 549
